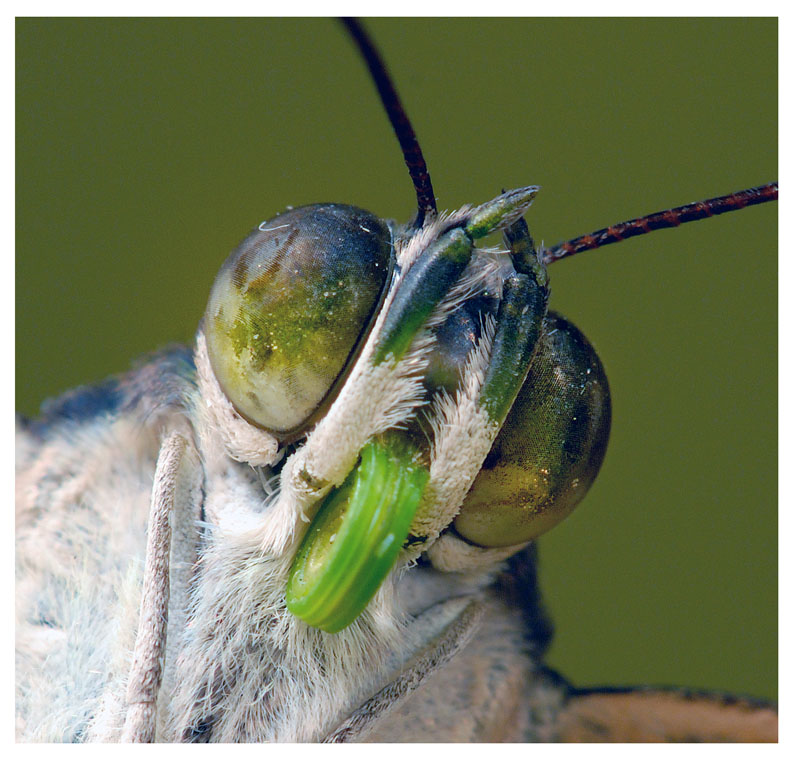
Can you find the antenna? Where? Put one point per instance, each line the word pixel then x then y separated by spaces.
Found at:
pixel 415 161
pixel 672 217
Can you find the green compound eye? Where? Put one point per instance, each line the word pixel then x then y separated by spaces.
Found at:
pixel 289 309
pixel 356 536
pixel 550 447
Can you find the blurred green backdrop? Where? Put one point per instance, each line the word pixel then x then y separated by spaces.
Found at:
pixel 146 149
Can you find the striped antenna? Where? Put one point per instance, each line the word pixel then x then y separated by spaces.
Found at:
pixel 661 220
pixel 415 161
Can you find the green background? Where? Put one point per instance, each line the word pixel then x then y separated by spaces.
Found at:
pixel 147 149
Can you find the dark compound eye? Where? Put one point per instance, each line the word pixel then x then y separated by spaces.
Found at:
pixel 550 447
pixel 456 338
pixel 289 309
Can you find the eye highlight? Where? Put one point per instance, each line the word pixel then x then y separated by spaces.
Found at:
pixel 550 447
pixel 289 309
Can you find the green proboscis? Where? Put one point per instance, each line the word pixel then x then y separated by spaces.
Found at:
pixel 356 536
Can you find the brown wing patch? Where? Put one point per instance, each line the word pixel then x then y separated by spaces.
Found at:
pixel 660 715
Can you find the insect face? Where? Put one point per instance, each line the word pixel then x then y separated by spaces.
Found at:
pixel 612 118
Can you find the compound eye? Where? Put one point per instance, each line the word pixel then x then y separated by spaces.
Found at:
pixel 456 338
pixel 550 447
pixel 290 308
